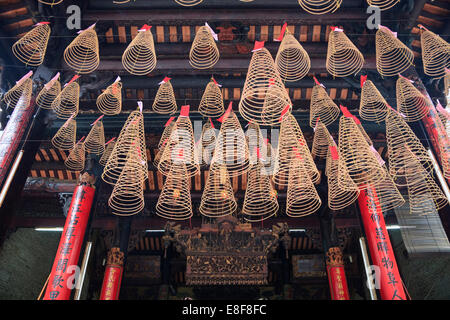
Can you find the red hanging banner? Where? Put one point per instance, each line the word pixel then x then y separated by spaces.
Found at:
pixel 113 275
pixel 336 274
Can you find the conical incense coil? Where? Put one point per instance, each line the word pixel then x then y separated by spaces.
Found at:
pixel 211 104
pixel 108 150
pixel 48 94
pixel 392 56
pixel 163 141
pixel 204 53
pixel 373 107
pixel 290 141
pixel 207 143
pixel 343 58
pixel 175 199
pixel 231 147
pixel 132 136
pixel 321 141
pixel 95 140
pixel 383 4
pixel 20 95
pixel 188 3
pixel 67 102
pixel 435 54
pixel 110 101
pixel 76 157
pixel 256 144
pixel 410 101
pixel 127 197
pixel 302 197
pixel 82 54
pixel 322 107
pixel 292 61
pixel 139 57
pixel 388 195
pixel 218 196
pixel 180 148
pixel 165 102
pixel 400 138
pixel 65 137
pixel 260 200
pixel 31 48
pixel 357 156
pixel 264 96
pixel 320 6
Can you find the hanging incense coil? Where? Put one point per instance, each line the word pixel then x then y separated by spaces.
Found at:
pixel 65 137
pixel 204 53
pixel 302 196
pixel 211 104
pixel 321 141
pixel 399 138
pixel 231 147
pixel 387 193
pixel 320 6
pixel 132 136
pixel 435 54
pixel 139 57
pixel 188 3
pixel 175 199
pixel 108 150
pixel 82 54
pixel 76 157
pixel 95 140
pixel 19 96
pixel 163 141
pixel 110 101
pixel 410 101
pixel 264 96
pixel 207 144
pixel 357 156
pixel 383 4
pixel 47 95
pixel 165 102
pixel 392 56
pixel 343 58
pixel 292 61
pixel 31 48
pixel 66 104
pixel 373 107
pixel 322 107
pixel 180 148
pixel 290 141
pixel 256 145
pixel 51 3
pixel 260 202
pixel 218 196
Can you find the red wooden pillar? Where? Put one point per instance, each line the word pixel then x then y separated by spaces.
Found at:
pixel 380 247
pixel 113 275
pixel 336 274
pixel 65 268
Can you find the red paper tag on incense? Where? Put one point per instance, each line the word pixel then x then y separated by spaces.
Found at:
pixel 42 23
pixel 180 154
pixel 215 82
pixel 392 32
pixel 271 82
pixel 363 80
pixel 75 77
pixel 317 82
pixel 169 121
pixel 285 110
pixel 165 80
pixel 145 27
pixel 82 138
pixel 297 153
pixel 226 114
pixel 258 154
pixel 98 119
pixel 212 125
pixel 337 29
pixel 111 140
pixel 283 30
pixel 184 111
pixel 356 120
pixel 258 46
pixel 345 111
pixel 334 153
pixel 422 27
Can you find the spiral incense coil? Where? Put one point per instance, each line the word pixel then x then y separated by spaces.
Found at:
pixel 372 106
pixel 132 136
pixel 207 144
pixel 392 56
pixel 343 58
pixel 388 195
pixel 204 53
pixel 320 6
pixel 302 196
pixel 31 48
pixel 139 57
pixel 46 96
pixel 260 202
pixel 290 141
pixel 175 199
pixel 292 61
pixel 383 4
pixel 256 145
pixel 355 153
pixel 231 147
pixel 180 148
pixel 110 101
pixel 400 138
pixel 65 137
pixel 165 102
pixel 66 104
pixel 435 54
pixel 264 96
pixel 19 96
pixel 51 3
pixel 211 104
pixel 321 141
pixel 108 150
pixel 95 140
pixel 188 3
pixel 322 107
pixel 76 157
pixel 82 54
pixel 410 101
pixel 218 196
